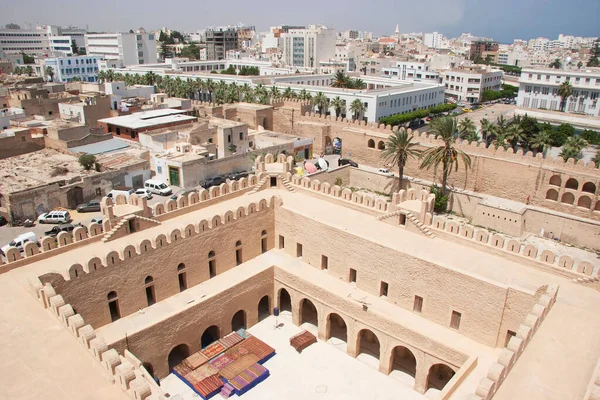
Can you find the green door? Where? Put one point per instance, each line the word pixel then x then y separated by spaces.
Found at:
pixel 174 176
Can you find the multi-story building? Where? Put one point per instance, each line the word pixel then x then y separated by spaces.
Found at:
pixel 85 68
pixel 77 35
pixel 123 48
pixel 538 88
pixel 479 48
pixel 466 84
pixel 411 71
pixel 47 40
pixel 308 47
pixel 433 40
pixel 219 41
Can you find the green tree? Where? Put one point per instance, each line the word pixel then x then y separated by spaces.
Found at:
pixel 565 90
pixel 514 135
pixel 340 80
pixel 471 137
pixel 322 102
pixel 229 71
pixel 590 136
pixel 27 59
pixel 399 149
pixel 87 161
pixel 192 52
pixel 594 60
pixel 50 72
pixel 488 130
pixel 569 152
pixel 566 129
pixel 541 141
pixel 446 155
pixel 596 159
pixel 556 64
pixel 338 104
pixel 579 64
pixel 356 108
pixel 29 70
pixel 576 142
pixel 466 127
pixel 74 47
pixel 18 71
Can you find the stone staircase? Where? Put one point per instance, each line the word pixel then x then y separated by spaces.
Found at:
pixel 120 229
pixel 413 220
pixel 287 184
pixel 260 184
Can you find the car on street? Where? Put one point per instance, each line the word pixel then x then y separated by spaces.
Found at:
pixel 158 187
pixel 144 193
pixel 19 242
pixel 99 222
pixel 60 228
pixel 385 171
pixel 345 161
pixel 216 181
pixel 55 217
pixel 467 110
pixel 184 193
pixel 90 206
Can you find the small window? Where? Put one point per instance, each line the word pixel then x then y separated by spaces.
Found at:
pixel 324 263
pixel 383 290
pixel 352 275
pixel 298 249
pixel 455 321
pixel 281 242
pixel 418 304
pixel 241 135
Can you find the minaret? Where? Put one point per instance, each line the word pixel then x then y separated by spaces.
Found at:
pixel 397 34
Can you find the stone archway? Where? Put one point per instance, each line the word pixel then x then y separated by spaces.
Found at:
pixel 263 308
pixel 210 335
pixel 403 365
pixel 439 375
pixel 177 355
pixel 309 317
pixel 285 301
pixel 337 332
pixel 238 321
pixel 368 347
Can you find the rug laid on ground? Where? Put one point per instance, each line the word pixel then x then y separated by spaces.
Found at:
pixel 302 340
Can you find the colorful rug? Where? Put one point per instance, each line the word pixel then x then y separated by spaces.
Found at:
pixel 231 340
pixel 302 340
pixel 256 346
pixel 221 361
pixel 208 387
pixel 213 350
pixel 195 360
pixel 238 366
pixel 237 351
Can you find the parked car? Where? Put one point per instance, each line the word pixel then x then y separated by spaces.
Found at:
pixel 99 222
pixel 117 190
pixel 213 182
pixel 345 161
pixel 3 221
pixel 184 192
pixel 55 217
pixel 60 228
pixel 144 193
pixel 90 206
pixel 467 110
pixel 385 171
pixel 19 242
pixel 158 187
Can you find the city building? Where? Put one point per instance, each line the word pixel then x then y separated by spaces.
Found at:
pixel 467 84
pixel 538 88
pixel 65 69
pixel 219 41
pixel 412 71
pixel 308 47
pixel 480 48
pixel 131 125
pixel 123 48
pixel 433 40
pixel 91 108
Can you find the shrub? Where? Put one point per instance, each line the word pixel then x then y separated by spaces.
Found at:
pixel 566 129
pixel 590 136
pixel 338 181
pixel 441 200
pixel 59 171
pixel 87 161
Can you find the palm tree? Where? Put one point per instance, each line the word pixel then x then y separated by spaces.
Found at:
pixel 576 142
pixel 322 102
pixel 514 134
pixel 488 130
pixel 210 86
pixel 338 104
pixel 29 70
pixel 275 93
pixel 596 159
pixel 356 108
pixel 541 141
pixel 50 73
pixel 399 149
pixel 101 76
pixel 565 90
pixel 340 80
pixel 249 96
pixel 471 137
pixel 304 95
pixel 466 127
pixel 447 155
pixel 288 93
pixel 569 152
pixel 150 78
pixel 358 84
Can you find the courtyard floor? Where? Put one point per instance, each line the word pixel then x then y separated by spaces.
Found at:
pixel 323 371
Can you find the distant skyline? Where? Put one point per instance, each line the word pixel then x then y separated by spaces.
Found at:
pixel 504 20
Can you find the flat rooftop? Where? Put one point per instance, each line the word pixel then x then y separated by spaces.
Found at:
pixel 147 119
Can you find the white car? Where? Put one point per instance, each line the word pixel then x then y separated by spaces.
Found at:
pixel 144 193
pixel 385 171
pixel 55 217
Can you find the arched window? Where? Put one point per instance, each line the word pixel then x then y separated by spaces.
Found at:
pixel 589 187
pixel 584 201
pixel 572 184
pixel 212 264
pixel 263 241
pixel 149 287
pixel 567 198
pixel 181 276
pixel 381 145
pixel 113 306
pixel 552 194
pixel 555 180
pixel 371 144
pixel 238 252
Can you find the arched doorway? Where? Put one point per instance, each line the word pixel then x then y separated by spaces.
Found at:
pixel 210 335
pixel 368 347
pixel 337 331
pixel 148 368
pixel 309 314
pixel 439 375
pixel 265 123
pixel 285 302
pixel 404 365
pixel 238 321
pixel 178 354
pixel 263 308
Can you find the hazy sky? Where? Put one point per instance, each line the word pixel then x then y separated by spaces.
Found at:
pixel 503 20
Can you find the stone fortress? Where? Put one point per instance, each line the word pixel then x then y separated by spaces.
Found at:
pixel 461 308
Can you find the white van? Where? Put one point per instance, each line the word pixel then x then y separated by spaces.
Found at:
pixel 55 217
pixel 20 241
pixel 158 187
pixel 124 190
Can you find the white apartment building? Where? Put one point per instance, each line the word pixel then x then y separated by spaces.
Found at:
pixel 308 47
pixel 433 40
pixel 66 68
pixel 29 41
pixel 123 48
pixel 411 71
pixel 538 88
pixel 466 84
